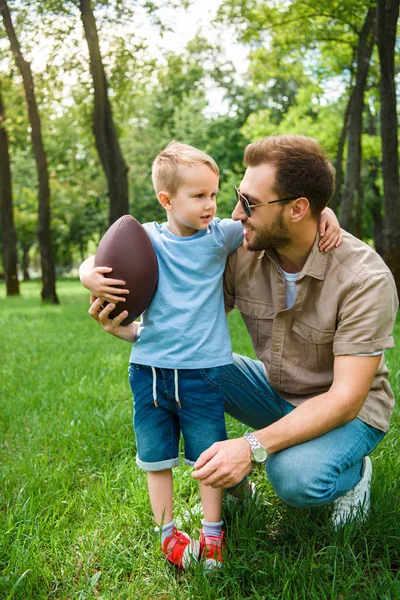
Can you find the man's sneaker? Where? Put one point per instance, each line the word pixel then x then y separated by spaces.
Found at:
pixel 356 503
pixel 246 491
pixel 243 493
pixel 180 549
pixel 211 547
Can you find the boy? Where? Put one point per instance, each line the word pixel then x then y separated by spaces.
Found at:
pixel 181 342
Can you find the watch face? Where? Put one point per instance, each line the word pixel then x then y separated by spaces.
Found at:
pixel 260 454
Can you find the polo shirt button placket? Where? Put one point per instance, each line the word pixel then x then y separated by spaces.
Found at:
pixel 276 355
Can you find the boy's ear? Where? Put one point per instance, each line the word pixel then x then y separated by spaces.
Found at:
pixel 299 209
pixel 165 200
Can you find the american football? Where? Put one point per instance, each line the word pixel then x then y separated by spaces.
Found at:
pixel 127 249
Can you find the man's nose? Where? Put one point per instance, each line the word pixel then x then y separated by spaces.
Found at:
pixel 238 213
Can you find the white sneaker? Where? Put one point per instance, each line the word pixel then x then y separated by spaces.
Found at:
pixel 245 493
pixel 356 503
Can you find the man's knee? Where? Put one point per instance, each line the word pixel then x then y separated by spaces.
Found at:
pixel 300 484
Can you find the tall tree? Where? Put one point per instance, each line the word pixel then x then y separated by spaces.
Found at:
pixel 48 271
pixel 299 35
pixel 9 235
pixel 388 14
pixel 352 179
pixel 107 143
pixel 335 201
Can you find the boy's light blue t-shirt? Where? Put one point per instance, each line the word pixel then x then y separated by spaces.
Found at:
pixel 185 326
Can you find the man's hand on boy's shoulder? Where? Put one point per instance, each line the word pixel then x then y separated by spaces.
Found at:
pixel 101 314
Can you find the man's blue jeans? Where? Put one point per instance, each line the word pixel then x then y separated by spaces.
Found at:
pixel 309 474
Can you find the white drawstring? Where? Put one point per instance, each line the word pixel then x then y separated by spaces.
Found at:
pixel 154 386
pixel 176 388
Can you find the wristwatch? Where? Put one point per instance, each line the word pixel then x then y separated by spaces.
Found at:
pixel 259 453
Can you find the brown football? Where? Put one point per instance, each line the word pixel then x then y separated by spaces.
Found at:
pixel 127 249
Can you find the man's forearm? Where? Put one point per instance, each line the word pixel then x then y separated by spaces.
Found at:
pixel 224 464
pixel 353 376
pixel 307 421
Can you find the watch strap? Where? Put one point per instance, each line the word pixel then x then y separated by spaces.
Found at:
pixel 254 444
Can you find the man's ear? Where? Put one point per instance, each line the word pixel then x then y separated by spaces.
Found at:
pixel 299 209
pixel 165 200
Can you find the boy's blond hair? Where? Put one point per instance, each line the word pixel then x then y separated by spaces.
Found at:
pixel 167 170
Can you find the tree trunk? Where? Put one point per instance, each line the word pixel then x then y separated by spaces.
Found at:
pixel 107 143
pixel 377 223
pixel 335 201
pixel 25 262
pixel 372 183
pixel 388 14
pixel 358 211
pixel 9 235
pixel 365 45
pixel 44 233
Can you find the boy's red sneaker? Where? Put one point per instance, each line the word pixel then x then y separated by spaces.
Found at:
pixel 211 548
pixel 180 549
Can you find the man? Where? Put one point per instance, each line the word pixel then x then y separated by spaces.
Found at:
pixel 319 397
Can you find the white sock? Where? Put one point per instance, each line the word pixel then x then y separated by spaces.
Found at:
pixel 214 529
pixel 166 530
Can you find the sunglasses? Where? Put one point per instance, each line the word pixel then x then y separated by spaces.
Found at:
pixel 247 206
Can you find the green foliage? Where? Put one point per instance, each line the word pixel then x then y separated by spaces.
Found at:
pixel 307 117
pixel 301 64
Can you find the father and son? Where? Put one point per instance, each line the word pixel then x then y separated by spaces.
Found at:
pixel 319 306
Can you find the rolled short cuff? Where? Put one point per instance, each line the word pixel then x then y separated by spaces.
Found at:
pixel 364 347
pixel 161 465
pixel 189 463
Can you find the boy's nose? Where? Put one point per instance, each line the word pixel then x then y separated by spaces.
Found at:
pixel 209 203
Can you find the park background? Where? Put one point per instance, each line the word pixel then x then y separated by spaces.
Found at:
pixel 90 91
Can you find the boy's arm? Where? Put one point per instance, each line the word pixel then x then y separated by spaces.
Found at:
pixel 99 286
pixel 329 230
pixel 113 326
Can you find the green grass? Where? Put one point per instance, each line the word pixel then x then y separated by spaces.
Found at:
pixel 75 521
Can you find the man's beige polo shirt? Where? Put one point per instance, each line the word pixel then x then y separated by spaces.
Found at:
pixel 346 303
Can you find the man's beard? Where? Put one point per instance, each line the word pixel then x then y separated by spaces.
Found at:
pixel 273 236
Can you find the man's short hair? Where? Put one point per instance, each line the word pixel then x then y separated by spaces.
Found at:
pixel 167 171
pixel 302 167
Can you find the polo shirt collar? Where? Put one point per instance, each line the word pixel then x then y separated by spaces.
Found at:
pixel 316 262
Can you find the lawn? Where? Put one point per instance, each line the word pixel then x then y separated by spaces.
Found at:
pixel 75 521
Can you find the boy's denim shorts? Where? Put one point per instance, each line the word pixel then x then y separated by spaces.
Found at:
pixel 159 420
